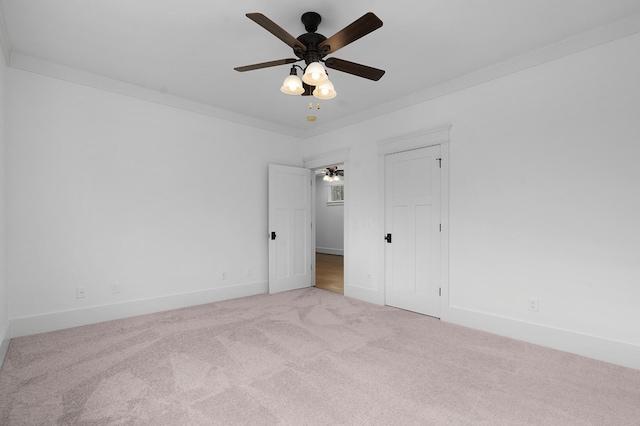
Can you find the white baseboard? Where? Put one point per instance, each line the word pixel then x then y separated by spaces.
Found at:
pixel 5 337
pixel 620 353
pixel 324 250
pixel 365 294
pixel 91 315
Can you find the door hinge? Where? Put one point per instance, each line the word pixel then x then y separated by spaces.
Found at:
pixel 439 162
pixel 440 291
pixel 440 227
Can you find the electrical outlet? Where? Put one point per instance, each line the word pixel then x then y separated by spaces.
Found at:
pixel 533 304
pixel 223 275
pixel 115 288
pixel 81 292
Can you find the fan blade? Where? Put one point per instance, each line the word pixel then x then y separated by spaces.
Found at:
pixel 266 64
pixel 277 31
pixel 356 69
pixel 369 22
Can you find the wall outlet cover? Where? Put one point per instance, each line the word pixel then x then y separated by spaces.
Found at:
pixel 81 292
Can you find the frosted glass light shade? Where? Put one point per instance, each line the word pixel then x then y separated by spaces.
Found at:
pixel 315 74
pixel 292 85
pixel 325 91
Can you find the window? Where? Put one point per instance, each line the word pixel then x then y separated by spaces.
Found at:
pixel 335 194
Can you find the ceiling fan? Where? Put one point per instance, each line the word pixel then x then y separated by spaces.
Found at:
pixel 313 47
pixel 333 174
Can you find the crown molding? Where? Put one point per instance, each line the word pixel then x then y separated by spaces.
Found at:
pixel 61 72
pixel 616 30
pixel 581 42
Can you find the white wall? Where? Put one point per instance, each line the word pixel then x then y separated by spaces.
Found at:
pixel 4 304
pixel 544 201
pixel 103 188
pixel 106 189
pixel 329 222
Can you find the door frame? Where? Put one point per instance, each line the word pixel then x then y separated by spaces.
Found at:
pixel 320 161
pixel 437 136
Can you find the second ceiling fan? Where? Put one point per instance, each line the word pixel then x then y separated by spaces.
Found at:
pixel 313 47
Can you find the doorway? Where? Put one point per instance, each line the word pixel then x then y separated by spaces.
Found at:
pixel 330 272
pixel 329 228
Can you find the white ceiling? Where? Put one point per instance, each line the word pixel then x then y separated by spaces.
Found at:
pixel 183 52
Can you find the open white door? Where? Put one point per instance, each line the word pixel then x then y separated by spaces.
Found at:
pixel 289 228
pixel 412 223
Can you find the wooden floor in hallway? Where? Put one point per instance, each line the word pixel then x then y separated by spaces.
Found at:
pixel 330 272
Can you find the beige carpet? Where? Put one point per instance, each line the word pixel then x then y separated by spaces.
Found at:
pixel 303 357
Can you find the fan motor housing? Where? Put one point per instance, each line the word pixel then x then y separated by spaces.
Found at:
pixel 311 40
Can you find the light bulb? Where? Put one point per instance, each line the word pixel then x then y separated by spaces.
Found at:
pixel 325 91
pixel 292 85
pixel 314 74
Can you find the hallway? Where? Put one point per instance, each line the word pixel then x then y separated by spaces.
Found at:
pixel 330 272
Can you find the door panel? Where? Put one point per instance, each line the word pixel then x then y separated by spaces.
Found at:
pixel 301 241
pixel 290 219
pixel 281 241
pixel 412 216
pixel 424 219
pixel 400 244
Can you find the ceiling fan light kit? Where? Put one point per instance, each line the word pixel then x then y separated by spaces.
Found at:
pixel 332 174
pixel 325 91
pixel 292 85
pixel 312 48
pixel 315 74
